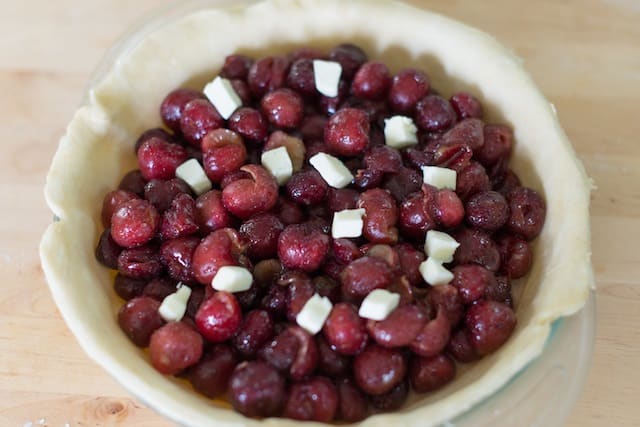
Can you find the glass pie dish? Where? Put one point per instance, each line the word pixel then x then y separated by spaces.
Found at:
pixel 179 47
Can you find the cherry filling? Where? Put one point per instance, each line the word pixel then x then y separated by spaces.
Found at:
pixel 250 344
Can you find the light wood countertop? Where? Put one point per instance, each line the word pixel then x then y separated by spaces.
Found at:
pixel 584 55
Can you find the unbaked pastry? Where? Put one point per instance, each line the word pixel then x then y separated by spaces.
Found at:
pixel 96 151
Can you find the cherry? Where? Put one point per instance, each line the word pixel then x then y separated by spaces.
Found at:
pixel 107 251
pixel 516 256
pixel 312 127
pixel 159 288
pixel 407 88
pixel 498 143
pixel 433 337
pixel 249 124
pixel 112 200
pixel 528 211
pixel 366 179
pixel 392 400
pixel 487 210
pixel 509 181
pixel 383 158
pixel 472 281
pixel 352 404
pixel 329 105
pixel 472 179
pixel 377 369
pixel 301 77
pixel 236 67
pixel 177 254
pixel 468 132
pixel 288 212
pixel 198 118
pixel 139 318
pixel 307 187
pixel 447 299
pixel 262 232
pixel 299 288
pixel 314 399
pixel 159 159
pixel 347 132
pixel 293 350
pixel 400 327
pixel 460 347
pixel 211 375
pixel 345 250
pixel 294 145
pixel 410 260
pixel 174 347
pixel 364 275
pixel 134 223
pixel 303 247
pixel 371 81
pixel 266 272
pixel 466 105
pixel 476 246
pixel 180 219
pixel 283 108
pixel 403 183
pixel 344 330
pixel 173 106
pixel 161 193
pixel 267 74
pixel 223 152
pixel 275 301
pixel 433 113
pixel 220 248
pixel 246 197
pixel 134 182
pixel 490 324
pixel 210 212
pixel 446 208
pixel 350 57
pixel 128 288
pixel 341 199
pixel 415 217
pixel 256 389
pixel 255 331
pixel 500 290
pixel 330 362
pixel 219 317
pixel 141 262
pixel 428 374
pixel 381 215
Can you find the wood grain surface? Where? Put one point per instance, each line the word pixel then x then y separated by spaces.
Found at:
pixel 584 54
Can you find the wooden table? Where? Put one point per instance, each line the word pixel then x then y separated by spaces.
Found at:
pixel 584 54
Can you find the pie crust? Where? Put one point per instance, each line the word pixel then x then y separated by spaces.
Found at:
pixel 96 151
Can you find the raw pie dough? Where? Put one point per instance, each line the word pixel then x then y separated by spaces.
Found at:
pixel 97 150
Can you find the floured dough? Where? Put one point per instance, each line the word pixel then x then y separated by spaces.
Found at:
pixel 97 150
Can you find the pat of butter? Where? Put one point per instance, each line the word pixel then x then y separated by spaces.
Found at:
pixel 378 304
pixel 347 223
pixel 439 177
pixel 314 314
pixel 278 162
pixel 193 174
pixel 326 75
pixel 232 279
pixel 434 273
pixel 174 305
pixel 440 246
pixel 400 132
pixel 332 170
pixel 221 94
